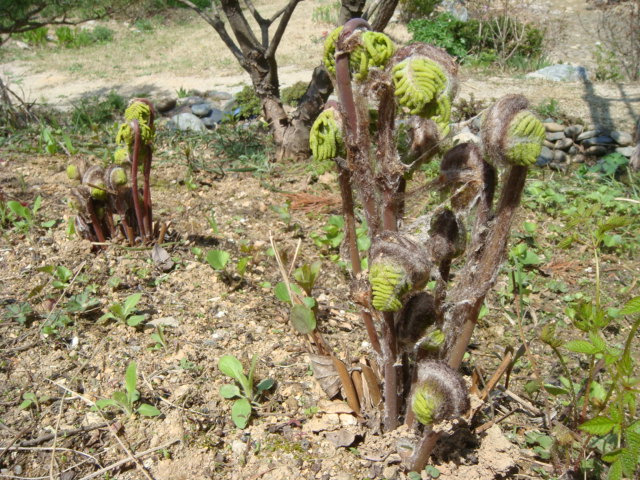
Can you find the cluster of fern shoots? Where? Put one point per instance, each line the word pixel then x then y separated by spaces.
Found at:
pixel 108 202
pixel 393 115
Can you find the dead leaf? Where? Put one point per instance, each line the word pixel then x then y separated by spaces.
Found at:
pixel 161 258
pixel 325 373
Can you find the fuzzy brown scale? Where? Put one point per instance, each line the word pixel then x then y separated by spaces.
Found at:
pixel 495 126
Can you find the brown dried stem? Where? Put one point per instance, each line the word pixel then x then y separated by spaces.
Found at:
pixel 134 178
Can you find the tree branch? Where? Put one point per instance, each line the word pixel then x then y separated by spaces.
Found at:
pixel 262 22
pixel 218 26
pixel 282 25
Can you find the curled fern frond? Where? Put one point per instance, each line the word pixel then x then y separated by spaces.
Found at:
pixel 121 155
pixel 399 265
pixel 115 177
pixel 326 138
pixel 439 393
pixel 510 133
pixel 389 283
pixel 417 82
pixel 329 53
pixel 93 178
pixel 525 137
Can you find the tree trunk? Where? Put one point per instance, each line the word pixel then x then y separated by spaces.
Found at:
pixel 635 156
pixel 350 9
pixel 383 15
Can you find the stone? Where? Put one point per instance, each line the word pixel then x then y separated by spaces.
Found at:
pixel 215 117
pixel 587 134
pixel 164 104
pixel 599 140
pixel 549 144
pixel 573 131
pixel 573 150
pixel 561 73
pixel 579 158
pixel 559 156
pixel 546 156
pixel 558 167
pixel 217 96
pixel 564 143
pixel 626 151
pixel 391 472
pixel 201 109
pixel 552 137
pixel 553 127
pixel 186 122
pixel 597 151
pixel 230 105
pixel 189 100
pixel 623 139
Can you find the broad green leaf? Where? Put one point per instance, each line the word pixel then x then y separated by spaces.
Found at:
pixel 147 410
pixel 598 426
pixel 229 391
pixel 310 302
pixel 117 310
pixel 106 402
pixel 231 367
pixel 241 266
pixel 130 303
pixel 63 273
pixel 633 442
pixel 629 463
pixel 282 293
pixel 555 390
pixel 302 319
pixel 265 384
pixel 241 412
pixel 135 320
pixel 631 307
pixel 36 205
pixel 581 346
pixel 19 210
pixel 615 470
pixel 611 456
pixel 597 341
pixel 131 379
pixel 218 259
pixel 121 399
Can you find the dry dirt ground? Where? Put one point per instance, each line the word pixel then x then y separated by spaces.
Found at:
pixel 296 432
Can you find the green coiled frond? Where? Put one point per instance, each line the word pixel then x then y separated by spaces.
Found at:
pixel 73 173
pixel 417 82
pixel 389 283
pixel 426 403
pixel 432 341
pixel 325 138
pixel 141 112
pixel 121 155
pixel 329 54
pixel 525 137
pixel 375 51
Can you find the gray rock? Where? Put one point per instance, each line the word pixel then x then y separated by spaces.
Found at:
pixel 564 143
pixel 546 156
pixel 164 104
pixel 230 105
pixel 599 140
pixel 555 136
pixel 626 151
pixel 622 138
pixel 214 118
pixel 553 127
pixel 561 73
pixel 597 151
pixel 573 131
pixel 201 109
pixel 217 96
pixel 559 156
pixel 579 158
pixel 573 150
pixel 549 144
pixel 186 122
pixel 558 167
pixel 193 100
pixel 456 9
pixel 587 134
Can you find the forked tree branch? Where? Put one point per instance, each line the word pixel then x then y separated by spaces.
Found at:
pixel 282 25
pixel 218 25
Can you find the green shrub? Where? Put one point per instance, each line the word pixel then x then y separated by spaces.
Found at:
pixel 417 9
pixel 37 37
pixel 76 38
pixel 481 41
pixel 92 111
pixel 248 102
pixel 292 95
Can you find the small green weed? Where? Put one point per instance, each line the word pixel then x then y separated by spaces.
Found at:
pixel 124 312
pixel 36 37
pixel 127 399
pixel 248 394
pixel 22 217
pixel 20 312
